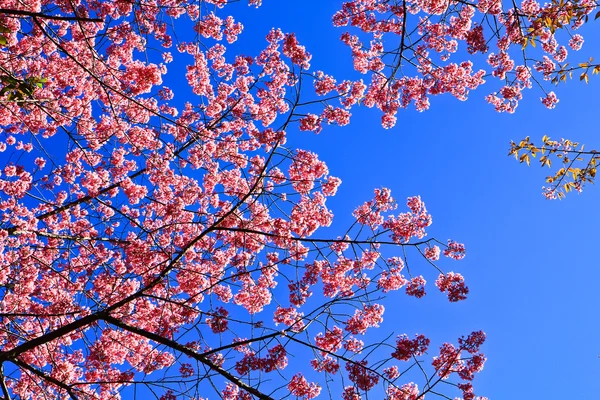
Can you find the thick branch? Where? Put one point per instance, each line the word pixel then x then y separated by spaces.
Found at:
pixel 315 240
pixel 188 352
pixel 50 336
pixel 46 16
pixel 71 237
pixel 48 378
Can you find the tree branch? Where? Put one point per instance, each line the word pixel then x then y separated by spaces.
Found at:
pixel 316 240
pixel 48 378
pixel 46 16
pixel 188 352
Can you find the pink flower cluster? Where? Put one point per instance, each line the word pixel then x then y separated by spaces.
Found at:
pixel 276 359
pixel 455 250
pixel 361 376
pixel 218 321
pixel 331 341
pixel 449 360
pixel 394 84
pixel 408 225
pixel 454 285
pixel 408 348
pixel 416 287
pixel 300 387
pixel 370 316
pixel 409 391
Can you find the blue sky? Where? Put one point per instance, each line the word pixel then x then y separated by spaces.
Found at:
pixel 531 264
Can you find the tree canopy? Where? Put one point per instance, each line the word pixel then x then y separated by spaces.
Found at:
pixel 159 234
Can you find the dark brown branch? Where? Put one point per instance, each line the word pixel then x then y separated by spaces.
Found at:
pixel 39 315
pixel 188 352
pixel 48 378
pixel 50 336
pixel 316 240
pixel 70 237
pixel 46 16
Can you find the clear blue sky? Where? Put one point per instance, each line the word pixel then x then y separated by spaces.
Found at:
pixel 531 264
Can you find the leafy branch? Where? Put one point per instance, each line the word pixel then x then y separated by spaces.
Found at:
pixel 578 165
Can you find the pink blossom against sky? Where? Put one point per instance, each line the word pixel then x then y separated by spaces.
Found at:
pixel 532 265
pixel 525 268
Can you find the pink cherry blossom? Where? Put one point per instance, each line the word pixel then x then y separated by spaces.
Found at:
pixel 407 348
pixel 363 378
pixel 300 387
pixel 454 285
pixel 416 287
pixel 149 194
pixel 550 100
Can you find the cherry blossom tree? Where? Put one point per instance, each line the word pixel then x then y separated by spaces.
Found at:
pixel 149 243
